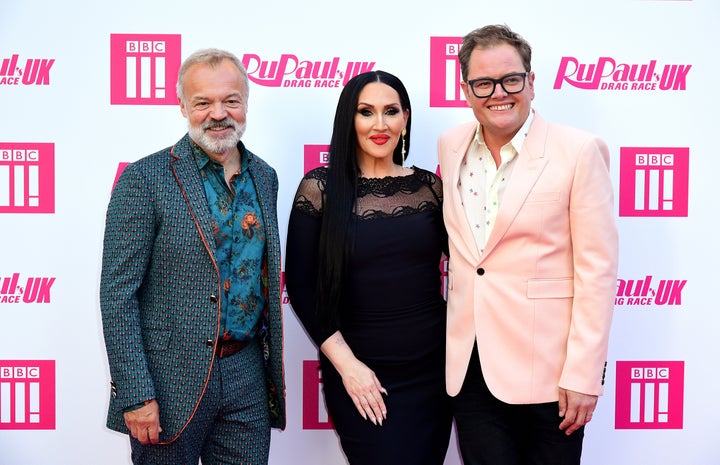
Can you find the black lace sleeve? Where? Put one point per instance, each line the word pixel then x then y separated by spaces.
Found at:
pixel 435 184
pixel 301 258
pixel 309 195
pixel 433 181
pixel 437 187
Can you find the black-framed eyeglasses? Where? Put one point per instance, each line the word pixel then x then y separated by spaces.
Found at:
pixel 512 83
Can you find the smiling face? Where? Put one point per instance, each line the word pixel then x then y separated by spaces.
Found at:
pixel 379 121
pixel 215 104
pixel 501 114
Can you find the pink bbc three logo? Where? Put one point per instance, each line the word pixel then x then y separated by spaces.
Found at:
pixel 445 75
pixel 27 177
pixel 315 416
pixel 649 395
pixel 27 394
pixel 314 413
pixel 316 155
pixel 144 68
pixel 654 181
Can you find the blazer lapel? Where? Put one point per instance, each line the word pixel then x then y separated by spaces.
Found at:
pixel 261 182
pixel 530 164
pixel 190 183
pixel 456 206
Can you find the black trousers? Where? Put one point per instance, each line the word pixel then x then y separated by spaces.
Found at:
pixel 491 432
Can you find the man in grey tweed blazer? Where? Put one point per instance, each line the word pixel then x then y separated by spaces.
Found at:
pixel 190 289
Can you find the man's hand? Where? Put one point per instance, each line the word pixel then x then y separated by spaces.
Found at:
pixel 144 423
pixel 576 408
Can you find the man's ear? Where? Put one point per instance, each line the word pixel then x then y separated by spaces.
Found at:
pixel 183 110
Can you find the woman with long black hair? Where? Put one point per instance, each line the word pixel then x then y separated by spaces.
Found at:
pixel 364 246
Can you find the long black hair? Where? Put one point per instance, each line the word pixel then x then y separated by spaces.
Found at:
pixel 336 237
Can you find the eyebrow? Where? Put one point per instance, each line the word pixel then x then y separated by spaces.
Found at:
pixel 233 94
pixel 394 104
pixel 503 76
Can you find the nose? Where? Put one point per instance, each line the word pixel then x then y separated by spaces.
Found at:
pixel 499 91
pixel 218 111
pixel 380 122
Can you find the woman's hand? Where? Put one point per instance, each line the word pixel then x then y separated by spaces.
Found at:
pixel 365 391
pixel 360 382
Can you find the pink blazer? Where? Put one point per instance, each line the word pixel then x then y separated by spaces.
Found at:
pixel 539 300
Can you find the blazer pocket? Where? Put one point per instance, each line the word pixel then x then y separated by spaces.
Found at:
pixel 553 288
pixel 536 197
pixel 157 339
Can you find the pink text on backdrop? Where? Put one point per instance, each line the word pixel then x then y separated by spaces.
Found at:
pixel 637 292
pixel 31 290
pixel 291 71
pixel 607 74
pixel 283 290
pixel 36 71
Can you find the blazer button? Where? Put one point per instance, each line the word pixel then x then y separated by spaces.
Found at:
pixel 213 298
pixel 480 271
pixel 209 342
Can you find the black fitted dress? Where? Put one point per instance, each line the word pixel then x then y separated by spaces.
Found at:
pixel 394 320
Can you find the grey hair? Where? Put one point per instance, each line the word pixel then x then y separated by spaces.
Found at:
pixel 211 57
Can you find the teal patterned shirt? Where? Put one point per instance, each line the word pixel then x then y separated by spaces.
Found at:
pixel 239 241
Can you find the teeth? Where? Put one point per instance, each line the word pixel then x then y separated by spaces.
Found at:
pixel 501 107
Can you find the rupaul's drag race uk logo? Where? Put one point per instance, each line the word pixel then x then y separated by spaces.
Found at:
pixel 292 71
pixel 15 71
pixel 609 74
pixel 30 290
pixel 648 291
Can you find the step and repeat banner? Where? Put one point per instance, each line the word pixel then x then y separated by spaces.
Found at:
pixel 88 87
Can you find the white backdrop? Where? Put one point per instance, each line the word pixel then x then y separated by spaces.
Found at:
pixel 62 139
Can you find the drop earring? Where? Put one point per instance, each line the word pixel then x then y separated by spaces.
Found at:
pixel 402 151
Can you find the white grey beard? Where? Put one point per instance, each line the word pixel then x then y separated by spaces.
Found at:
pixel 214 144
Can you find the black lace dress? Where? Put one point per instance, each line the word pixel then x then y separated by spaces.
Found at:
pixel 395 318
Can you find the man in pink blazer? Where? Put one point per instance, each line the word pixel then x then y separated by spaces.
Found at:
pixel 528 207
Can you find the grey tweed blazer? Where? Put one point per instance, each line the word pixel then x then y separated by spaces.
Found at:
pixel 160 282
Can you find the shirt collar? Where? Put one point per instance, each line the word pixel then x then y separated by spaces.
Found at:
pixel 517 141
pixel 202 158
